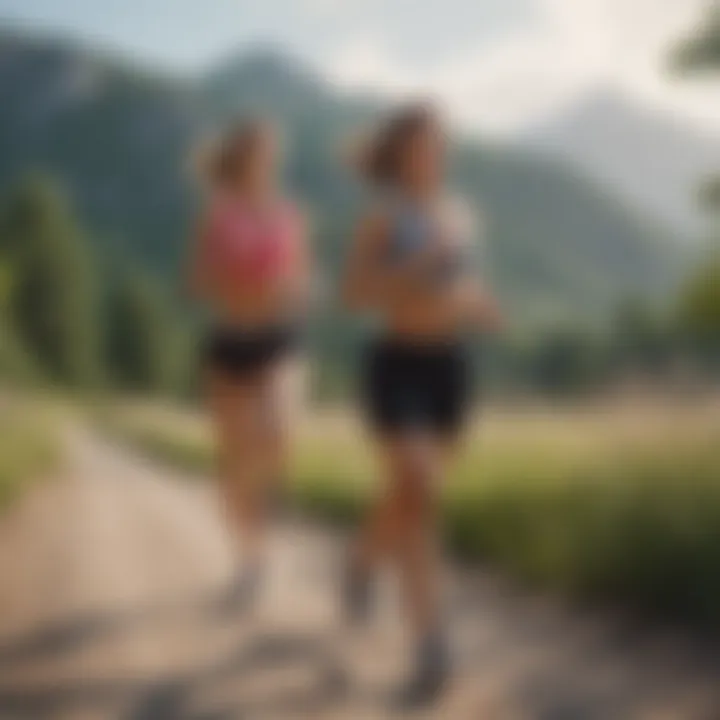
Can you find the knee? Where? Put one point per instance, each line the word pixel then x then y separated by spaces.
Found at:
pixel 272 440
pixel 414 488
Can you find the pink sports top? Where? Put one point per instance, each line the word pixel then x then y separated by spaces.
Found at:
pixel 250 246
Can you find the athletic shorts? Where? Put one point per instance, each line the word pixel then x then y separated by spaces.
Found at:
pixel 409 385
pixel 240 352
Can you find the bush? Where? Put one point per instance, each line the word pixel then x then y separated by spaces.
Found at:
pixel 17 366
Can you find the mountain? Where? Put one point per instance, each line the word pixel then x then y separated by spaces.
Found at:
pixel 116 135
pixel 263 80
pixel 652 161
pixel 119 135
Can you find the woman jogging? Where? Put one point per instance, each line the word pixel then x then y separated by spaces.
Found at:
pixel 250 268
pixel 410 265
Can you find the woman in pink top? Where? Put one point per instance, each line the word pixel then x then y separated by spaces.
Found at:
pixel 250 268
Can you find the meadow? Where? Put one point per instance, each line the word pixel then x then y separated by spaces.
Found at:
pixel 618 503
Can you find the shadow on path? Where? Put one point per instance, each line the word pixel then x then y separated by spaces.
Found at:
pixel 71 634
pixel 174 697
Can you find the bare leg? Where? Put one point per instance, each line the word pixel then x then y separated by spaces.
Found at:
pixel 420 468
pixel 402 528
pixel 274 410
pixel 234 407
pixel 416 466
pixel 376 542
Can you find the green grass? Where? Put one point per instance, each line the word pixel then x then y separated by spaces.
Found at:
pixel 29 449
pixel 603 507
pixel 185 452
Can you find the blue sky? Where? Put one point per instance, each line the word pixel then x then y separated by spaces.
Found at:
pixel 191 33
pixel 500 65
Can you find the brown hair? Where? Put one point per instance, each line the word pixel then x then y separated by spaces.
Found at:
pixel 224 158
pixel 379 159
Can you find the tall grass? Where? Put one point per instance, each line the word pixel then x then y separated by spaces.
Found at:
pixel 29 448
pixel 600 506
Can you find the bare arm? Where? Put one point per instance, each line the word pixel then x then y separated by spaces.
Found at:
pixel 360 288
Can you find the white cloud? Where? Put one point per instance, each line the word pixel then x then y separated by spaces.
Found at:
pixel 573 46
pixel 365 62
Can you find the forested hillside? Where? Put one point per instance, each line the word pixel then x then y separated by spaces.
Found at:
pixel 118 137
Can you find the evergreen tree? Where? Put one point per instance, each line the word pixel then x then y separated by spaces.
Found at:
pixel 642 339
pixel 144 348
pixel 565 361
pixel 700 309
pixel 51 302
pixel 701 52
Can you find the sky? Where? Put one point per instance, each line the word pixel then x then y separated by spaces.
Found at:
pixel 500 65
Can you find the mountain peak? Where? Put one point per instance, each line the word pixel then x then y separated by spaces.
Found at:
pixel 263 64
pixel 648 158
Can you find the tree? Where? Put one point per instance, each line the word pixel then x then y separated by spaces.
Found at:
pixel 699 307
pixel 51 302
pixel 699 312
pixel 642 340
pixel 565 361
pixel 16 364
pixel 701 52
pixel 144 345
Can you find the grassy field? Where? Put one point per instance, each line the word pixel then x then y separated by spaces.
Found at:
pixel 617 503
pixel 29 447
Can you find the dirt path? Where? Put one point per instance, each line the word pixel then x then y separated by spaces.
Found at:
pixel 109 581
